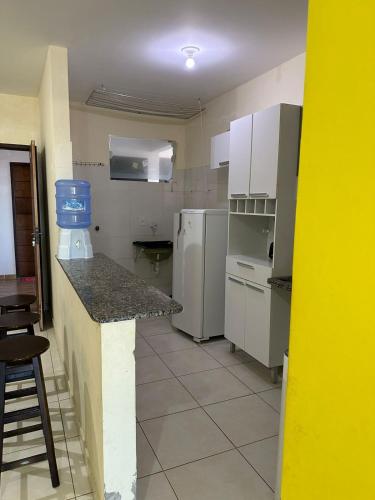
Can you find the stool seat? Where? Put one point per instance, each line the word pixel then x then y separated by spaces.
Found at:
pixel 22 348
pixel 17 320
pixel 19 300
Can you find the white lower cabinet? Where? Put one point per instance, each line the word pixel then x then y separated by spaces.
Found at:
pixel 257 319
pixel 257 332
pixel 235 310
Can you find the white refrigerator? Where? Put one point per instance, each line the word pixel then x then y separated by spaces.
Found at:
pixel 199 252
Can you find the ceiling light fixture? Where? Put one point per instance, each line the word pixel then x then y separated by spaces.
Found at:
pixel 189 52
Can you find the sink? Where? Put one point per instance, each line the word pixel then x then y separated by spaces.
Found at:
pixel 153 244
pixel 155 251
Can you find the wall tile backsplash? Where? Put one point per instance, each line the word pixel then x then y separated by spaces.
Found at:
pixel 206 188
pixel 125 212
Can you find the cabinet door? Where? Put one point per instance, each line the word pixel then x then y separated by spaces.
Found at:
pixel 257 334
pixel 240 157
pixel 220 150
pixel 265 152
pixel 235 311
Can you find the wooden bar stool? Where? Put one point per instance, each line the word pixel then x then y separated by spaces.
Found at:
pixel 16 302
pixel 18 320
pixel 15 351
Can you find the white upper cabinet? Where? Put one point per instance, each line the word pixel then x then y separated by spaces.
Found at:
pixel 240 157
pixel 220 150
pixel 265 153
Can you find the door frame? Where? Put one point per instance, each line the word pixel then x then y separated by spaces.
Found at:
pixel 43 305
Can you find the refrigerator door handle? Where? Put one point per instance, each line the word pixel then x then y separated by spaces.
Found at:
pixel 179 226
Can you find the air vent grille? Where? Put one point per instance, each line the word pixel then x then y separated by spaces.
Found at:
pixel 157 106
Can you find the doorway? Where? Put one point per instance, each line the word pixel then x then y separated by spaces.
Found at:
pixel 23 263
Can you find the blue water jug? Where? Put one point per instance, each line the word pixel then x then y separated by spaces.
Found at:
pixel 73 204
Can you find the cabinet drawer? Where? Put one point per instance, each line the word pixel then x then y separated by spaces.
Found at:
pixel 248 270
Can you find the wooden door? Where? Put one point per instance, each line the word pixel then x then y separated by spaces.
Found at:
pixel 22 218
pixel 240 157
pixel 36 241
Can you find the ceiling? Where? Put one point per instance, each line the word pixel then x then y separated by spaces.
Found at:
pixel 135 46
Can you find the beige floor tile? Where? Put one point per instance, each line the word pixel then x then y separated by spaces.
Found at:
pixel 272 397
pixel 50 385
pixel 214 386
pixel 150 327
pixel 154 487
pixel 33 439
pixel 62 385
pixel 147 462
pixel 90 496
pixel 151 369
pixel 162 398
pixel 254 375
pixel 69 420
pixel 171 342
pixel 223 477
pixel 245 420
pixel 184 437
pixel 142 348
pixel 189 361
pixel 32 482
pixel 47 363
pixel 78 467
pixel 220 350
pixel 263 457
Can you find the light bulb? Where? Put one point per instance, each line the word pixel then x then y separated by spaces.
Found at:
pixel 189 52
pixel 190 63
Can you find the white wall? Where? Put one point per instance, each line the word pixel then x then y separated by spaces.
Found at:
pixel 285 83
pixel 126 210
pixel 7 256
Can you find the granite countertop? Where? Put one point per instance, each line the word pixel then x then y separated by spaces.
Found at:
pixel 284 282
pixel 111 293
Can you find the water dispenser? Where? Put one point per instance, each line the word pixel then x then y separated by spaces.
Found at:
pixel 73 209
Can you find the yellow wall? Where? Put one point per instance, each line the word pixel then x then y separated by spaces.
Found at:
pixel 19 119
pixel 55 142
pixel 329 448
pixel 83 363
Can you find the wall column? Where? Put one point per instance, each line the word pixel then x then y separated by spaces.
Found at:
pixel 329 450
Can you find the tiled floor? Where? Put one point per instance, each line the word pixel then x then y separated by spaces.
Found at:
pixel 207 424
pixel 207 419
pixel 32 482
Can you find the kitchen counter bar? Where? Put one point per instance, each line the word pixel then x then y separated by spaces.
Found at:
pixel 111 293
pixel 95 325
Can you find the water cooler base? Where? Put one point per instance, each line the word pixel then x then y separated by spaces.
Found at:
pixel 74 244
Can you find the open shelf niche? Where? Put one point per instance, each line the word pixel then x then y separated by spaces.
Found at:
pixel 252 237
pixel 253 206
